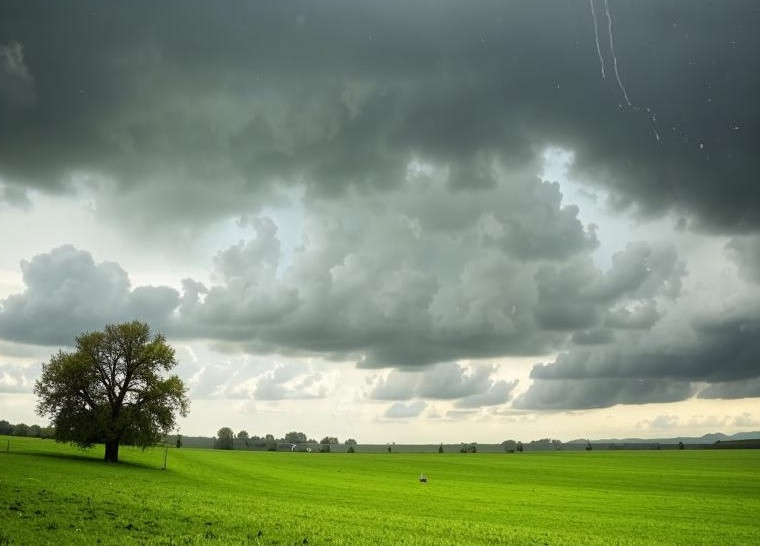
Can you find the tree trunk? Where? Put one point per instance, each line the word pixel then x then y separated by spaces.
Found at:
pixel 112 451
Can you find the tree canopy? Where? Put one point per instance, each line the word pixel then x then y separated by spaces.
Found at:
pixel 294 437
pixel 225 438
pixel 111 389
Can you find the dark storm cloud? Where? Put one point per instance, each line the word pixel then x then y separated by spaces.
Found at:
pixel 15 196
pixel 499 392
pixel 381 282
pixel 745 251
pixel 733 389
pixel 68 293
pixel 469 387
pixel 194 111
pixel 568 394
pixel 593 337
pixel 719 348
pixel 575 295
pixel 641 317
pixel 16 84
pixel 451 381
pixel 723 349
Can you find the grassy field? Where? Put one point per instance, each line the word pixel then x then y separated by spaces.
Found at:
pixel 56 494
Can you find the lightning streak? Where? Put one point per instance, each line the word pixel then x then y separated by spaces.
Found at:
pixel 649 112
pixel 614 56
pixel 596 37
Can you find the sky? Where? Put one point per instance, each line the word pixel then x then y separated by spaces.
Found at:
pixel 401 221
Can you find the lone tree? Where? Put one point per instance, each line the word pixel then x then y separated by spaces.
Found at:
pixel 111 389
pixel 225 438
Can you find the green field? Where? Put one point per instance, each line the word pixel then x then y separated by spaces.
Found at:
pixel 57 494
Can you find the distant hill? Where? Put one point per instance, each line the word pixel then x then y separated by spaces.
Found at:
pixel 707 439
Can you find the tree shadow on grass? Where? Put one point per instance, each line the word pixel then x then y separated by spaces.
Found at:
pixel 86 458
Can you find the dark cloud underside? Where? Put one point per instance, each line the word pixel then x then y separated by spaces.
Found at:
pixel 200 98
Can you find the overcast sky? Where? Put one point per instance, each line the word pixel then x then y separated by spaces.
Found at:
pixel 409 221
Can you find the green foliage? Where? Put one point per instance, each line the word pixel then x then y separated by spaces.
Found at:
pixel 295 437
pixel 21 429
pixel 667 497
pixel 225 438
pixel 111 389
pixel 466 448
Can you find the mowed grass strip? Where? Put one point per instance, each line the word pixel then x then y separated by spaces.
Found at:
pixel 52 493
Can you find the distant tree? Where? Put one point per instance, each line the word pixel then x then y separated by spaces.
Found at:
pixel 324 448
pixel 269 438
pixel 21 429
pixel 350 442
pixel 111 389
pixel 224 438
pixel 680 445
pixel 329 440
pixel 34 431
pixel 519 447
pixel 509 446
pixel 440 448
pixel 6 428
pixel 243 437
pixel 295 437
pixel 389 448
pixel 179 441
pixel 557 445
pixel 47 432
pixel 350 448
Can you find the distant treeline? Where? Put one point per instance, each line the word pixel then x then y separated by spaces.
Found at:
pixel 737 444
pixel 22 429
pixel 508 446
pixel 298 441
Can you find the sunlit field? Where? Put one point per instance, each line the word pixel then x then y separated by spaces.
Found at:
pixel 52 493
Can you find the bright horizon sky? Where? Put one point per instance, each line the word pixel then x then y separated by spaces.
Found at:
pixel 405 222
